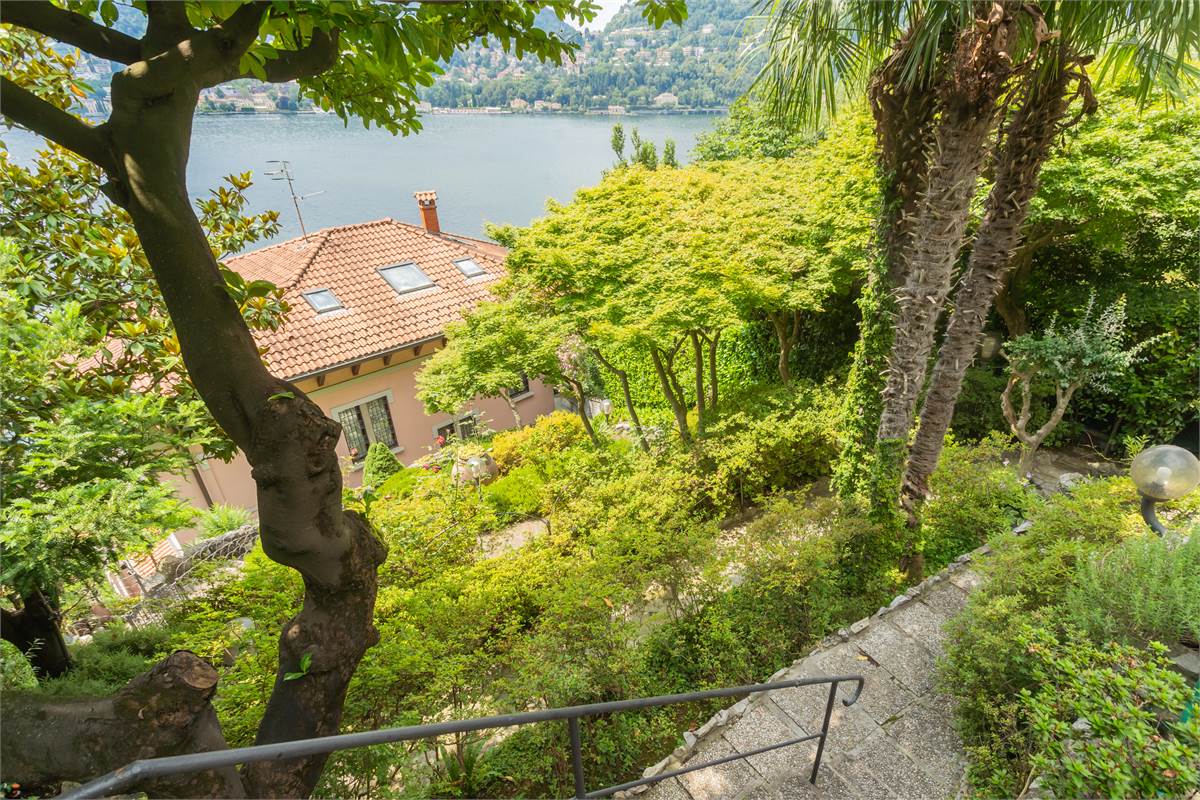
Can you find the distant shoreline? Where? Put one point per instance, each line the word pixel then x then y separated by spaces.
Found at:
pixel 496 112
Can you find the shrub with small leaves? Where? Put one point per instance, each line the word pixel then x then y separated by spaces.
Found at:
pixel 1106 721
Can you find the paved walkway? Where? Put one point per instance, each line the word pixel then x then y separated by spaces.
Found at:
pixel 897 741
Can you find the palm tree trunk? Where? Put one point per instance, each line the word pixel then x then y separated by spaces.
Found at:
pixel 970 93
pixel 1028 140
pixel 903 121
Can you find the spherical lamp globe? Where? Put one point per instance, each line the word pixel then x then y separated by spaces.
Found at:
pixel 1165 472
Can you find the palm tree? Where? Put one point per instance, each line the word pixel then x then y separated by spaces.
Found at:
pixel 1152 41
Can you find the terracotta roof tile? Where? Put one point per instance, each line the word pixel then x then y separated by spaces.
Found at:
pixel 374 318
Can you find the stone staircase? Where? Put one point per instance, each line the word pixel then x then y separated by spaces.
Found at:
pixel 898 740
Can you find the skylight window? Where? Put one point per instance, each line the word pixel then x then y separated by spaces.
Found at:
pixel 405 278
pixel 322 300
pixel 469 267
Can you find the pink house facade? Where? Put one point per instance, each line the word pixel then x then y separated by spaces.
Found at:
pixel 368 306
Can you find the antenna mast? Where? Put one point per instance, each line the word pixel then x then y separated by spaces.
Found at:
pixel 284 173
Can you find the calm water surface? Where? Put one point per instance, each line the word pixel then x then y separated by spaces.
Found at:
pixel 494 168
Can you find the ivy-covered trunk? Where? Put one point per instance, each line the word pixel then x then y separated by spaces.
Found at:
pixel 903 122
pixel 1028 139
pixel 975 75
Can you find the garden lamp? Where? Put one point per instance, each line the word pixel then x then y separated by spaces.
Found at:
pixel 1163 472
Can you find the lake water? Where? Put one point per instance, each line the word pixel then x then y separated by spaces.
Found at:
pixel 485 167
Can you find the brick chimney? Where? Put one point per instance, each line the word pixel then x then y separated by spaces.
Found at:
pixel 427 202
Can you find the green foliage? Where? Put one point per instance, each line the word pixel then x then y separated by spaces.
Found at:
pixel 1079 545
pixel 380 465
pixel 518 493
pixel 777 438
pixel 1143 590
pixel 701 66
pixel 222 518
pixel 974 496
pixel 488 353
pixel 114 657
pixel 1133 745
pixel 750 132
pixel 401 484
pixel 15 670
pixel 1118 207
pixel 1090 352
pixel 534 443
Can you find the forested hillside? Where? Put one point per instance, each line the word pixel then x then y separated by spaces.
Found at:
pixel 629 64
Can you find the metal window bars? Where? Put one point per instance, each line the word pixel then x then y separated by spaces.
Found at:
pixel 144 769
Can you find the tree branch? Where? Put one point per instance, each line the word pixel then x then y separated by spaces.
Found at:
pixel 45 119
pixel 312 59
pixel 73 29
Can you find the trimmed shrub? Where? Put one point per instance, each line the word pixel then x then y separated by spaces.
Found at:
pixel 380 465
pixel 402 484
pixel 1131 743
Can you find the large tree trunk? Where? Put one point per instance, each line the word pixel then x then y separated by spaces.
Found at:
pixel 287 440
pixel 163 712
pixel 904 117
pixel 975 77
pixel 35 631
pixel 1028 139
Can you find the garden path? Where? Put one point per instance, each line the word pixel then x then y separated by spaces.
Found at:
pixel 898 740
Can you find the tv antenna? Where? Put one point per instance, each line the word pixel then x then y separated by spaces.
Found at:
pixel 284 173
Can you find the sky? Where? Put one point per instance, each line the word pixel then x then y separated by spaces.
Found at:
pixel 607 9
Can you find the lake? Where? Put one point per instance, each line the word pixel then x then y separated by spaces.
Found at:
pixel 485 167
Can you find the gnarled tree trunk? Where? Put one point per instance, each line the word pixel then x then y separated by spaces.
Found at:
pixel 163 712
pixel 1028 139
pixel 623 377
pixel 286 438
pixel 666 379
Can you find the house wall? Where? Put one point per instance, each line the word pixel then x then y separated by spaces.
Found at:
pixel 230 483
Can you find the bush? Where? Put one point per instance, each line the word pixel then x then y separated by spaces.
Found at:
pixel 973 497
pixel 777 438
pixel 222 519
pixel 517 494
pixel 1131 743
pixel 401 484
pixel 15 670
pixel 550 434
pixel 380 465
pixel 114 656
pixel 1145 589
pixel 1079 545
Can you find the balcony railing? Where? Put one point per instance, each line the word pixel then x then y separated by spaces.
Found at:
pixel 132 774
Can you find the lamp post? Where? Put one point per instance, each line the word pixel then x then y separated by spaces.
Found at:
pixel 1163 472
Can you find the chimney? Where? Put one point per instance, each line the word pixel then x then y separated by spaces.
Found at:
pixel 427 202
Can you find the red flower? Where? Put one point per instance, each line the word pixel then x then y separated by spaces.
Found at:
pixel 441 440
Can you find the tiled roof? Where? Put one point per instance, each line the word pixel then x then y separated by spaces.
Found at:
pixel 374 319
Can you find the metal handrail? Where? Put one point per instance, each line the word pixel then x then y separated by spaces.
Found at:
pixel 144 769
